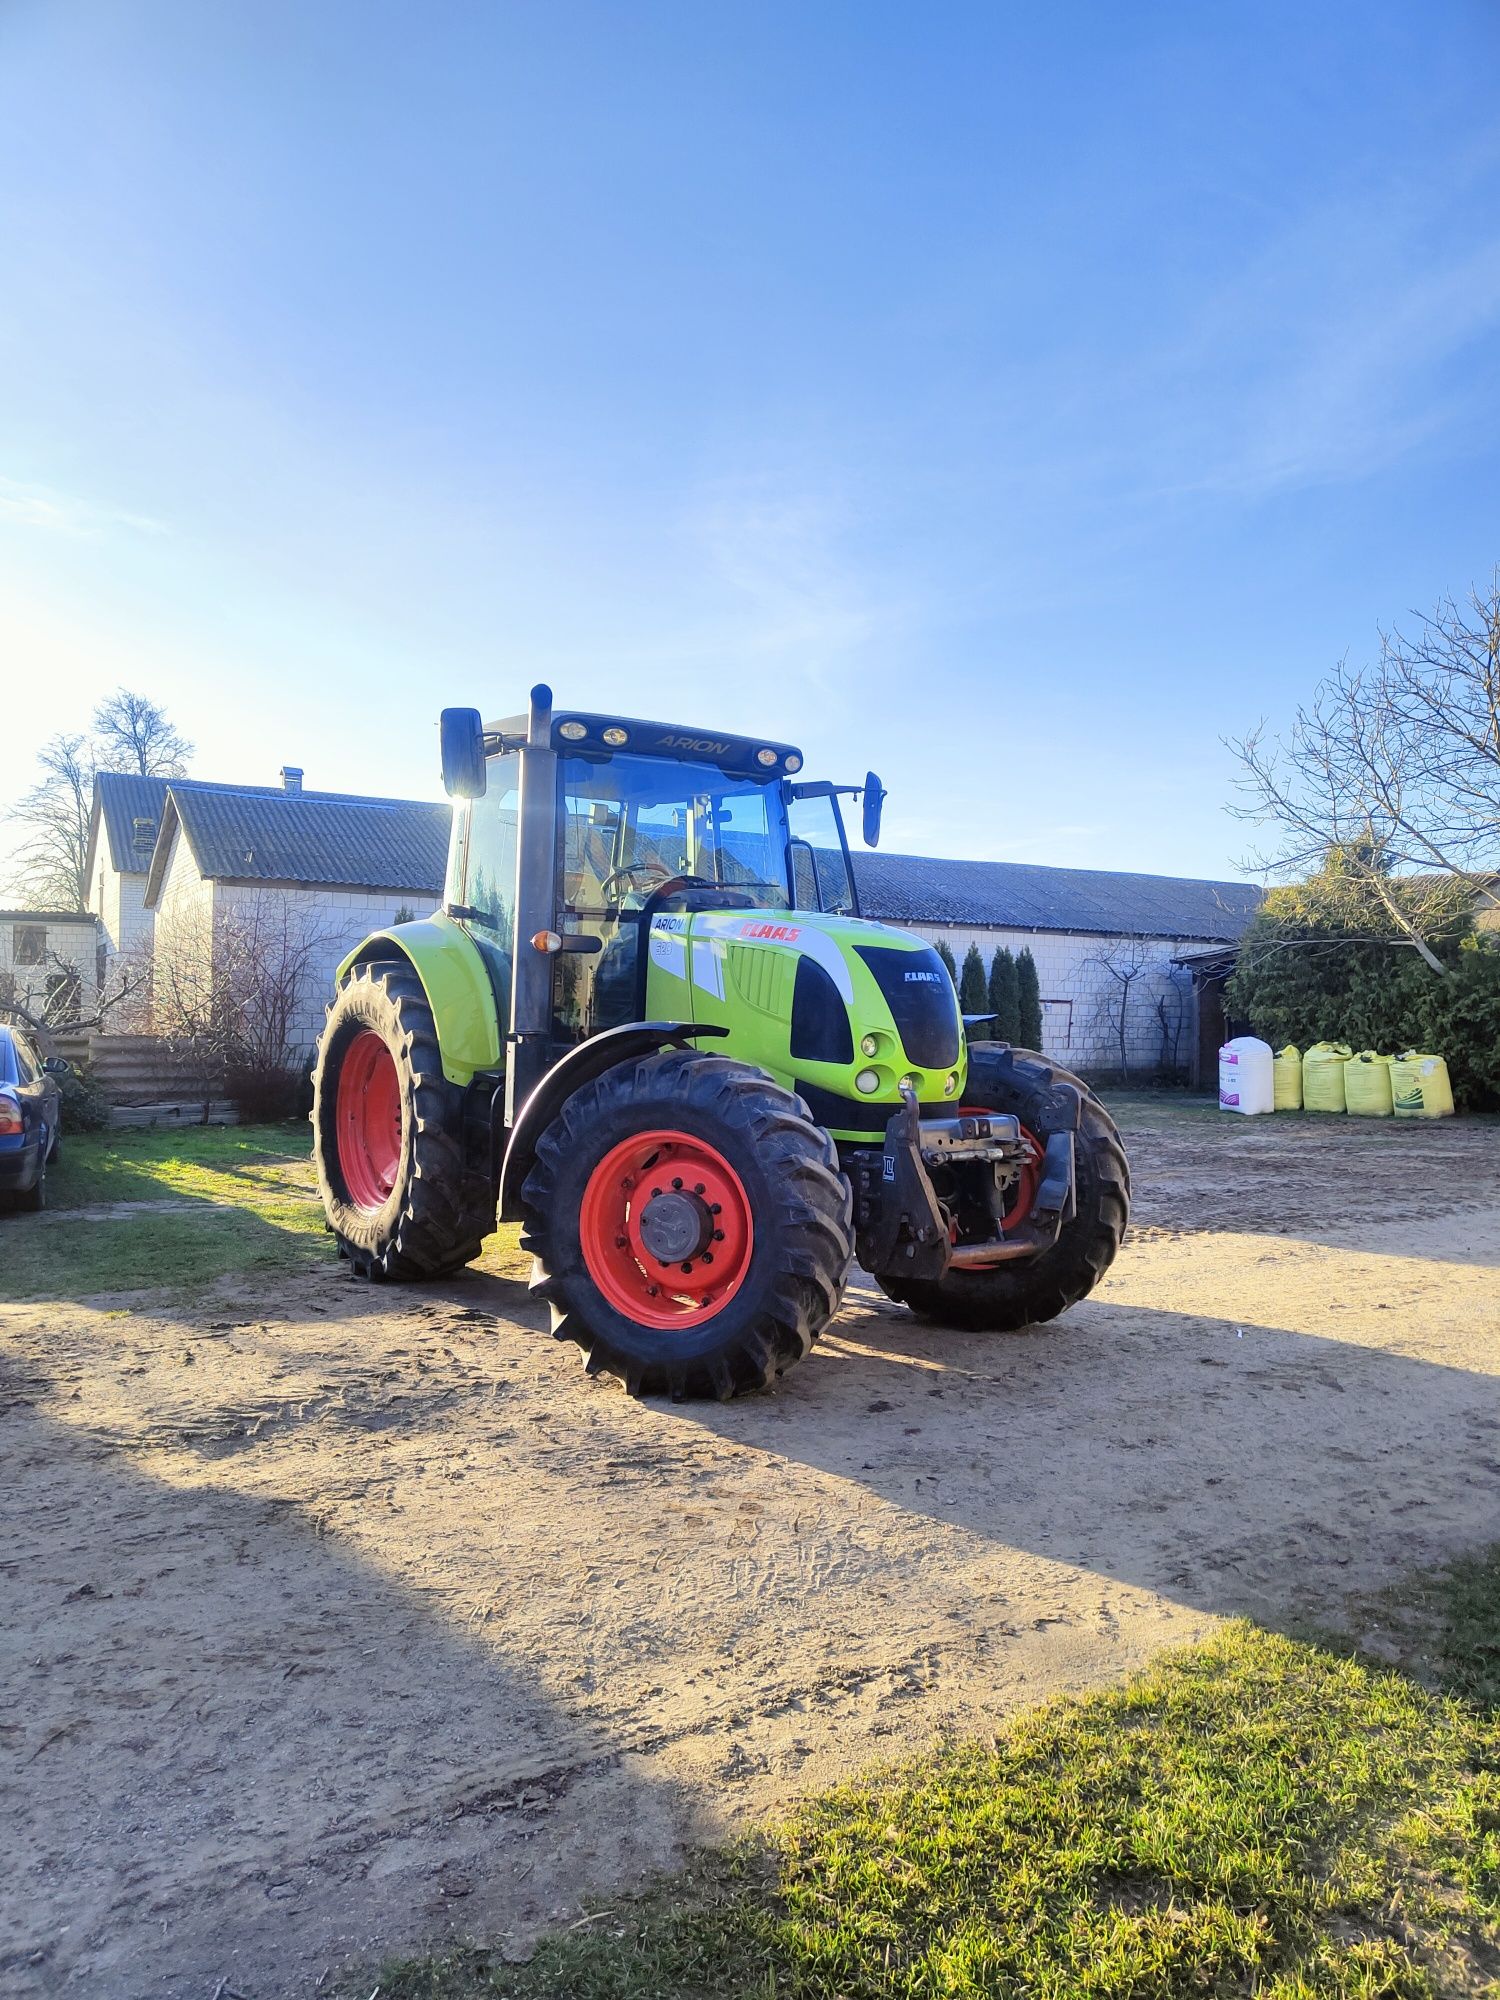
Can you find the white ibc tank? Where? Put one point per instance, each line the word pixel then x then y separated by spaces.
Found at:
pixel 1247 1076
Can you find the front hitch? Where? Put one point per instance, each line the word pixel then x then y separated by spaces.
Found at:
pixel 900 1226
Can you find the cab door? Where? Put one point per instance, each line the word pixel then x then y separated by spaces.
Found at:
pixel 821 871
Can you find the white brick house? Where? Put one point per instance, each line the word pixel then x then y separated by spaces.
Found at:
pixel 1083 927
pixel 50 962
pixel 240 862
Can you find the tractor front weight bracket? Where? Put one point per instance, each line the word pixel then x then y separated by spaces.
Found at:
pixel 900 1226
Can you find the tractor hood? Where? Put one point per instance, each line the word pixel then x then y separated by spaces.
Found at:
pixel 840 1010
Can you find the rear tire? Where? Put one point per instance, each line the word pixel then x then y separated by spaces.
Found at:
pixel 32 1200
pixel 387 1134
pixel 1010 1297
pixel 750 1165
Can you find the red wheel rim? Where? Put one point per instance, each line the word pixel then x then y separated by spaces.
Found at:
pixel 632 1274
pixel 367 1121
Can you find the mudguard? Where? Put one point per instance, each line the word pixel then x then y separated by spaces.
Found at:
pixel 458 985
pixel 578 1067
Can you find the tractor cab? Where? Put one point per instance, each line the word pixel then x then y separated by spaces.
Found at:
pixel 645 820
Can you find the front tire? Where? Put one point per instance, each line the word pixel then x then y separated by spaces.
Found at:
pixel 387 1134
pixel 1007 1298
pixel 691 1229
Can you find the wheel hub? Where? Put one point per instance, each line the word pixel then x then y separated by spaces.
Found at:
pixel 666 1230
pixel 676 1225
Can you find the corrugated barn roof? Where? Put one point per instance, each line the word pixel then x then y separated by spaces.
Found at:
pixel 1014 895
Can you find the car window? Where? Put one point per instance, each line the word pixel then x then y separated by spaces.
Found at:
pixel 27 1065
pixel 7 1057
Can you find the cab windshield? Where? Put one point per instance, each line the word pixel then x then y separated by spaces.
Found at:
pixel 630 823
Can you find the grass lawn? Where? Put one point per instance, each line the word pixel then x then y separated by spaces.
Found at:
pixel 1258 1815
pixel 244 1198
pixel 246 1201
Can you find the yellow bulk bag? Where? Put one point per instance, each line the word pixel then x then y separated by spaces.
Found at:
pixel 1420 1086
pixel 1286 1079
pixel 1367 1085
pixel 1323 1076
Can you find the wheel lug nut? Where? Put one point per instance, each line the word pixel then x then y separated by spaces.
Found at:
pixel 677 1184
pixel 714 1208
pixel 708 1256
pixel 655 1192
pixel 697 1187
pixel 688 1265
pixel 718 1236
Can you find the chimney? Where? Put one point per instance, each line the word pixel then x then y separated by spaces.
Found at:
pixel 291 777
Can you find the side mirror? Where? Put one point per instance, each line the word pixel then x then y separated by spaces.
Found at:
pixel 874 801
pixel 461 734
pixel 58 1066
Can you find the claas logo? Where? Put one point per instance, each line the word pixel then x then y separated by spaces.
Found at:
pixel 781 933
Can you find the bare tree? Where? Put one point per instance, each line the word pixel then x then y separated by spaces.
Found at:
pixel 229 989
pixel 1389 779
pixel 50 997
pixel 1171 1017
pixel 135 733
pixel 52 861
pixel 1119 963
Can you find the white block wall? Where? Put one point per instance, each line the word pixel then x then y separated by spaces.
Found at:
pixel 189 907
pixel 72 941
pixel 1080 1000
pixel 338 919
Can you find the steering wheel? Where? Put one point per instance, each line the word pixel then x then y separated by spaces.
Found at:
pixel 621 875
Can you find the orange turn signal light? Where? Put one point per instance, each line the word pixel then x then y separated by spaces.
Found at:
pixel 546 941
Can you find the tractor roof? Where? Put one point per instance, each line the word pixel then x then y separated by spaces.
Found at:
pixel 680 741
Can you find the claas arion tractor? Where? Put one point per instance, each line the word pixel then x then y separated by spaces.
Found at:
pixel 650 1025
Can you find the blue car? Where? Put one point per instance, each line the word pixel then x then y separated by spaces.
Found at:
pixel 30 1119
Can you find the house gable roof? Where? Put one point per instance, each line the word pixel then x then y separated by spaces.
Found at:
pixel 261 833
pixel 1013 895
pixel 120 799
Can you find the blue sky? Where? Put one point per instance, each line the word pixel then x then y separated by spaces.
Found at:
pixel 1016 399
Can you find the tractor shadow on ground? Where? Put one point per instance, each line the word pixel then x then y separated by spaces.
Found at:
pixel 237 1752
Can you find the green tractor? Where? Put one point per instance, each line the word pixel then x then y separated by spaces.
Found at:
pixel 650 1025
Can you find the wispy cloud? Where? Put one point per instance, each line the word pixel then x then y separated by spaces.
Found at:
pixel 67 514
pixel 779 553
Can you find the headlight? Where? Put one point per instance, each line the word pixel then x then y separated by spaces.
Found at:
pixel 614 736
pixel 793 762
pixel 869 1046
pixel 574 731
pixel 911 1082
pixel 867 1082
pixel 950 1084
pixel 767 757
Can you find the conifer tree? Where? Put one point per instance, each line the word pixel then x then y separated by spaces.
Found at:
pixel 945 953
pixel 972 992
pixel 1004 997
pixel 1029 1027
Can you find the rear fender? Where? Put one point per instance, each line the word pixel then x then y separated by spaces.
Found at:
pixel 458 988
pixel 578 1067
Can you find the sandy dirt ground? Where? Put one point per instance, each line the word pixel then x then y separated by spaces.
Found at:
pixel 342 1620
